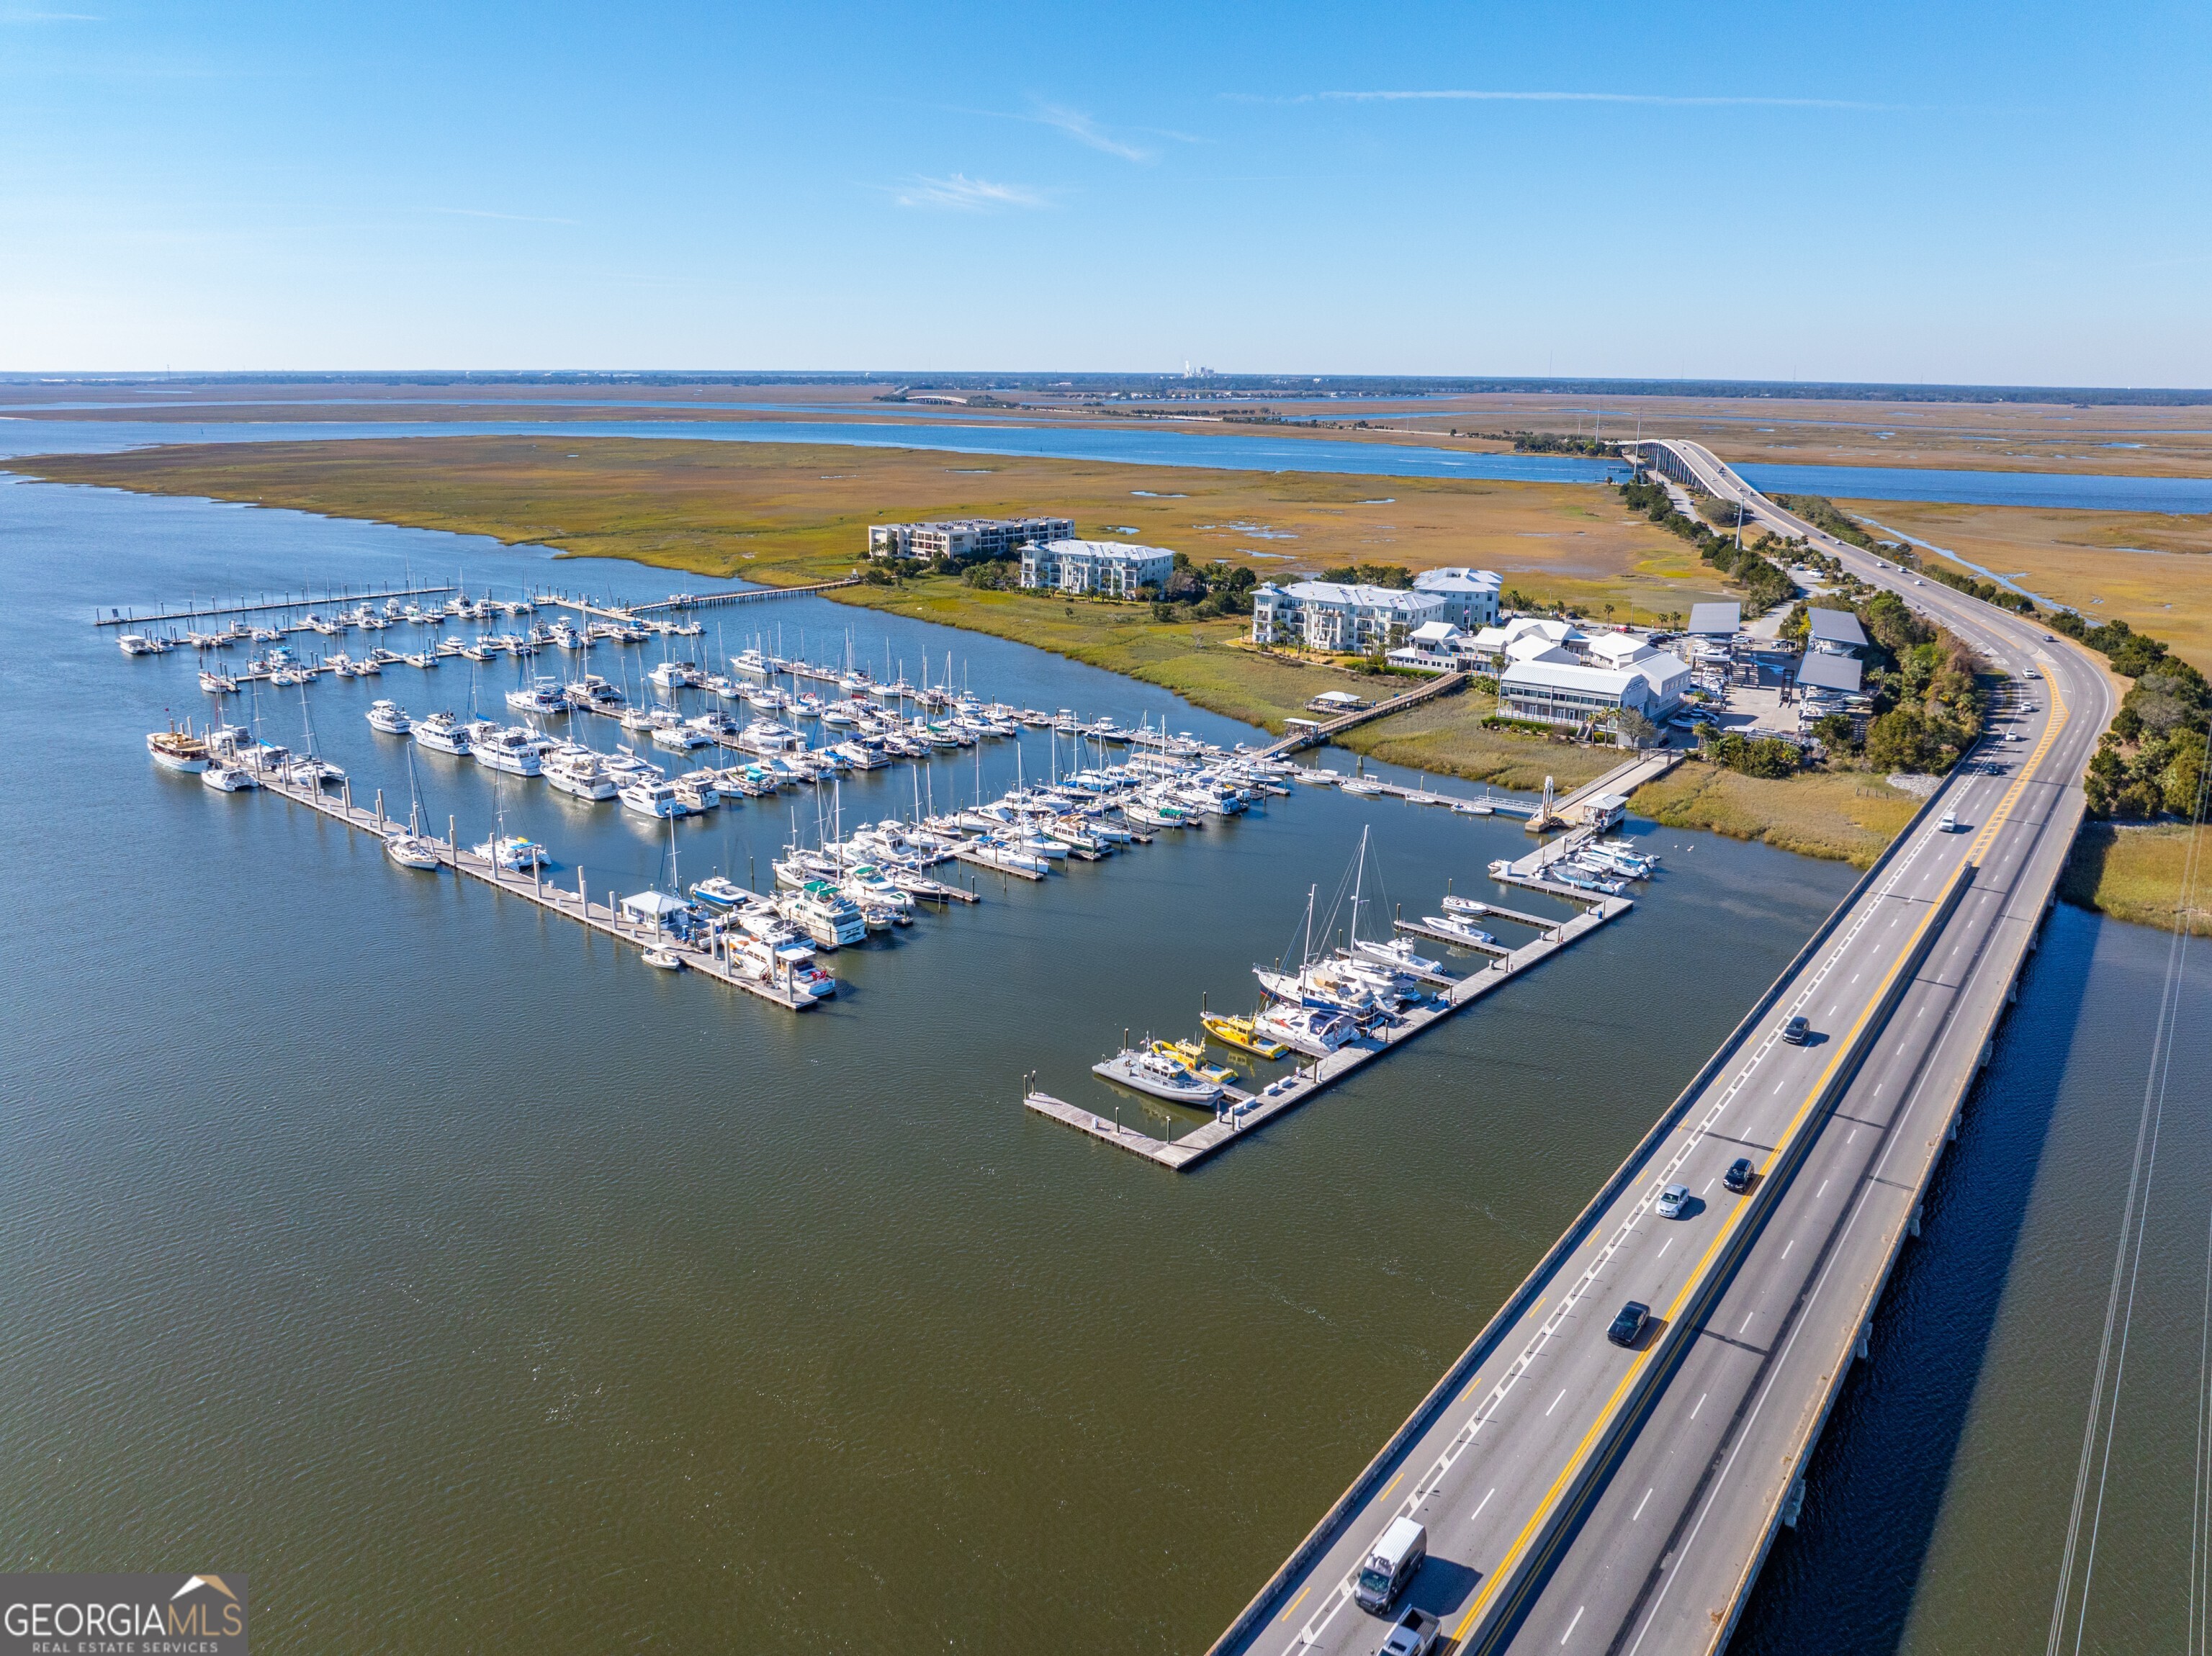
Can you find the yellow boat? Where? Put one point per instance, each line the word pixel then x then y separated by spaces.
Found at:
pixel 1191 1054
pixel 1239 1033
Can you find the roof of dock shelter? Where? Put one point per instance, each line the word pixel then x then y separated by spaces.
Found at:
pixel 1835 626
pixel 659 904
pixel 1716 620
pixel 1822 672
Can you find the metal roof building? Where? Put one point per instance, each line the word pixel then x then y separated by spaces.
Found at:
pixel 1716 620
pixel 1838 673
pixel 1835 629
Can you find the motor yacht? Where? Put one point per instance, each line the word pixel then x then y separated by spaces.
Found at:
pixel 217 684
pixel 541 698
pixel 442 732
pixel 512 852
pixel 390 718
pixel 721 892
pixel 651 796
pixel 823 912
pixel 514 750
pixel 178 750
pixel 580 772
pixel 1457 926
pixel 228 778
pixel 1312 1030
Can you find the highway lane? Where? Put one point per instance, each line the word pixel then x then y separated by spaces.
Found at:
pixel 1558 1477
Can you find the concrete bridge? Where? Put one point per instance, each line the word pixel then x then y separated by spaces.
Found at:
pixel 1585 1496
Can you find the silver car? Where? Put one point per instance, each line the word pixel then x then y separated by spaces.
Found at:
pixel 1673 1200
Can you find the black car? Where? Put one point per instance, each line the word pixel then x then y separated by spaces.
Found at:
pixel 1628 1327
pixel 1796 1032
pixel 1738 1177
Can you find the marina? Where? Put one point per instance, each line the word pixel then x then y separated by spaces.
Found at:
pixel 1243 1112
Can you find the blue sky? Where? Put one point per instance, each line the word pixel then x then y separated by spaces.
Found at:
pixel 1775 191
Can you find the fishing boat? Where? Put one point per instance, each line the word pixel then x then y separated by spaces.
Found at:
pixel 217 684
pixel 178 750
pixel 667 960
pixel 1360 787
pixel 442 733
pixel 1459 927
pixel 390 718
pixel 1241 1034
pixel 1146 1071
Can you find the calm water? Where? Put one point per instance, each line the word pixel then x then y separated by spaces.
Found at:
pixel 1157 447
pixel 424 1257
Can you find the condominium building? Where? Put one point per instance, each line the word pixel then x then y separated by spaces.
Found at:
pixel 1114 568
pixel 964 539
pixel 1324 614
pixel 1470 595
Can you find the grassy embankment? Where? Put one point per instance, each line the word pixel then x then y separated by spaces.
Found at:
pixel 2136 874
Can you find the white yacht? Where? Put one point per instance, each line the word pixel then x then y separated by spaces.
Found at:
pixel 442 732
pixel 390 718
pixel 217 684
pixel 1398 954
pixel 228 778
pixel 1308 1030
pixel 673 676
pixel 178 750
pixel 137 644
pixel 512 852
pixel 698 791
pixel 541 697
pixel 651 796
pixel 1457 926
pixel 824 913
pixel 514 750
pixel 580 772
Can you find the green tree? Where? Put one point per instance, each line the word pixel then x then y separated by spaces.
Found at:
pixel 1898 740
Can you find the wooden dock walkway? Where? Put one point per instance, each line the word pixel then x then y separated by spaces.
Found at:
pixel 1444 684
pixel 693 600
pixel 576 905
pixel 1250 1110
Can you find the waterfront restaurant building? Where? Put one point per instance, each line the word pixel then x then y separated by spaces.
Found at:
pixel 1568 692
pixel 1329 615
pixel 964 539
pixel 1112 568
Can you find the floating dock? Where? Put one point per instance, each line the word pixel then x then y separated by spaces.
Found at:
pixel 691 601
pixel 1251 1110
pixel 306 601
pixel 576 905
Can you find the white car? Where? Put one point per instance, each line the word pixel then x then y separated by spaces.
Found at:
pixel 1673 1200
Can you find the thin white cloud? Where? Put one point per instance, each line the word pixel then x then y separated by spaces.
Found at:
pixel 511 218
pixel 1498 97
pixel 958 192
pixel 1085 130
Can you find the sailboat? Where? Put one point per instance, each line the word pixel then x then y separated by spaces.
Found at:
pixel 409 848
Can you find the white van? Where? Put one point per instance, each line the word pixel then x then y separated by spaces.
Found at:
pixel 1948 823
pixel 1393 1561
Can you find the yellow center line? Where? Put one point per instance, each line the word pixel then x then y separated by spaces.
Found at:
pixel 1729 1230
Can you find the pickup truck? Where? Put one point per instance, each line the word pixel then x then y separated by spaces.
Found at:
pixel 1414 1635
